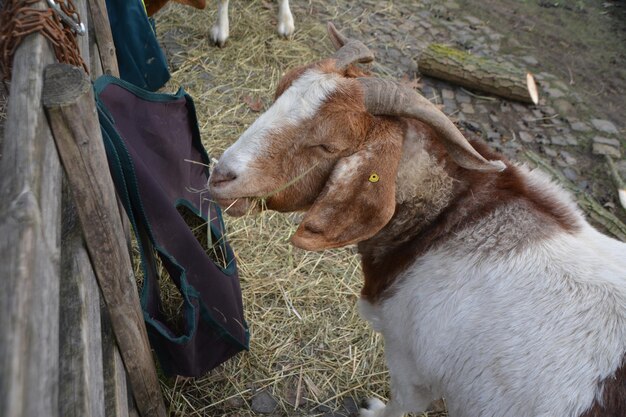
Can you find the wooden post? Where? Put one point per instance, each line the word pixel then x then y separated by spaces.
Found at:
pixel 104 38
pixel 115 389
pixel 81 385
pixel 30 183
pixel 114 375
pixel 69 102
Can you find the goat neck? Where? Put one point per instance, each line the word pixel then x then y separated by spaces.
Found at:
pixel 436 198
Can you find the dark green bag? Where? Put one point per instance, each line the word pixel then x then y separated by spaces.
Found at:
pixel 139 56
pixel 160 170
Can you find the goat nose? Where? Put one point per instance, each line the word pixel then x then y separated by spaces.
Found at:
pixel 221 175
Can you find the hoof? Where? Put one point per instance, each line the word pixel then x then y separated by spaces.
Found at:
pixel 371 407
pixel 218 37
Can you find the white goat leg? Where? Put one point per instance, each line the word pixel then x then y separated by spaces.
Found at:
pixel 406 397
pixel 219 31
pixel 285 19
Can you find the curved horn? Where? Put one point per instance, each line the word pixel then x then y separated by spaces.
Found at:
pixel 336 38
pixel 349 51
pixel 383 97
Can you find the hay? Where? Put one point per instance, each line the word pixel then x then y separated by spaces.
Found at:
pixel 309 348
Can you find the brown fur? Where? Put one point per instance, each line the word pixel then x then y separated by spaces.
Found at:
pixel 351 207
pixel 327 65
pixel 153 6
pixel 613 396
pixel 475 195
pixel 340 126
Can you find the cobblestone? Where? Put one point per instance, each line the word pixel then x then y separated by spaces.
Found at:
pixel 568 158
pixel 580 127
pixel 526 137
pixel 602 149
pixel 606 141
pixel 263 402
pixel 604 126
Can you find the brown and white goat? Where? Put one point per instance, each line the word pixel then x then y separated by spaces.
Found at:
pixel 487 283
pixel 220 30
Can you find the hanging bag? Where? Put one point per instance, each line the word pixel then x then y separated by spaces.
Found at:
pixel 139 56
pixel 160 171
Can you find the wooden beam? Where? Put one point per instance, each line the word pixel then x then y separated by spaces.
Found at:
pixel 104 38
pixel 115 388
pixel 69 102
pixel 114 375
pixel 81 383
pixel 30 207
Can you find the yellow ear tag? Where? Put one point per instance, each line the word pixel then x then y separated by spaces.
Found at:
pixel 374 177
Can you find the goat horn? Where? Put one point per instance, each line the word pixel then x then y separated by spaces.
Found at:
pixel 383 97
pixel 337 39
pixel 349 51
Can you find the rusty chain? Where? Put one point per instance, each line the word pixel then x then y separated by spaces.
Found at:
pixel 20 18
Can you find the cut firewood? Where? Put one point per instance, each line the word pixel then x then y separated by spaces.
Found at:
pixel 532 88
pixel 618 181
pixel 477 73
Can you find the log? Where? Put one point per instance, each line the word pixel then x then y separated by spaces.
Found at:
pixel 475 73
pixel 590 206
pixel 69 102
pixel 618 181
pixel 30 228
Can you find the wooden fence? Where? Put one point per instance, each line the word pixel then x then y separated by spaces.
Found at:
pixel 72 337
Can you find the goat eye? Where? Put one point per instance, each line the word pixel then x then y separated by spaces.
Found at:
pixel 326 148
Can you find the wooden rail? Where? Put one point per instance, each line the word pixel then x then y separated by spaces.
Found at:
pixel 73 342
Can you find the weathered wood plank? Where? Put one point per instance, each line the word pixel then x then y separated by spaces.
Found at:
pixel 115 388
pixel 104 38
pixel 68 99
pixel 29 248
pixel 81 383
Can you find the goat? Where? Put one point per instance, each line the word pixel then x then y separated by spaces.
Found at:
pixel 487 283
pixel 220 30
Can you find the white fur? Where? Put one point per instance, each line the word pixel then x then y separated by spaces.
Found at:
pixel 285 25
pixel 220 30
pixel 301 101
pixel 503 329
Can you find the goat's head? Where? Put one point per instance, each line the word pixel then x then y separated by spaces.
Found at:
pixel 323 147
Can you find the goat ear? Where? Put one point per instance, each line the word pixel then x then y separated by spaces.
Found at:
pixel 356 202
